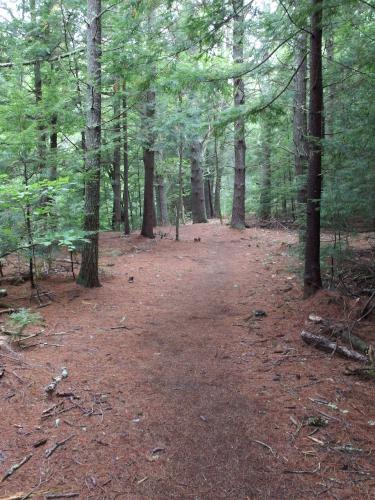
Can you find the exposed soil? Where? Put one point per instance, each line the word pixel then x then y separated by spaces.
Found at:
pixel 197 397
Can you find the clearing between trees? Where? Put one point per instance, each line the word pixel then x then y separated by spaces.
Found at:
pixel 186 378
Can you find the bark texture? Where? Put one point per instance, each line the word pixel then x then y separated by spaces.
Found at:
pixel 161 201
pixel 300 119
pixel 116 180
pixel 238 209
pixel 148 222
pixel 125 195
pixel 53 149
pixel 88 274
pixel 208 197
pixel 332 346
pixel 312 276
pixel 218 172
pixel 198 206
pixel 265 193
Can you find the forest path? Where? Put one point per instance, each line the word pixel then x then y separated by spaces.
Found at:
pixel 192 399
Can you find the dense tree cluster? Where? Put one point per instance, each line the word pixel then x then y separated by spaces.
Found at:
pixel 125 115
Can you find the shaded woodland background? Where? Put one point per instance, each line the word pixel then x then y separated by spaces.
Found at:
pixel 128 115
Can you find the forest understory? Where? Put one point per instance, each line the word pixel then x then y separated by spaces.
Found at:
pixel 186 377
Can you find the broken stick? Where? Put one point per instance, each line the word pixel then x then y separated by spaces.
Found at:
pixel 327 345
pixel 15 467
pixel 53 448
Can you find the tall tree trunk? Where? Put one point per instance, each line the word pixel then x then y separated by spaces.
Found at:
pixel 148 222
pixel 180 201
pixel 53 149
pixel 238 209
pixel 300 129
pixel 162 203
pixel 126 160
pixel 312 277
pixel 208 196
pixel 116 158
pixel 218 172
pixel 70 45
pixel 88 274
pixel 41 145
pixel 330 103
pixel 265 193
pixel 198 207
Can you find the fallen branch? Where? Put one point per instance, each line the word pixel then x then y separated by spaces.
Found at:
pixel 16 496
pixel 53 448
pixel 9 310
pixel 265 445
pixel 327 345
pixel 317 469
pixel 15 467
pixel 70 494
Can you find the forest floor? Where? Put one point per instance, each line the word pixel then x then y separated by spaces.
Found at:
pixel 176 388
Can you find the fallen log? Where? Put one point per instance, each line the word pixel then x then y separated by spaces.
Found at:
pixel 367 373
pixel 352 340
pixel 328 345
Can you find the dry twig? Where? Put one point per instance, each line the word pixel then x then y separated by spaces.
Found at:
pixel 53 448
pixel 15 467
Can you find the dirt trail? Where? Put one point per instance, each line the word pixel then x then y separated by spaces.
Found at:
pixel 191 399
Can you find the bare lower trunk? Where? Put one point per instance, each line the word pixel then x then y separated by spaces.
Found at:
pixel 198 207
pixel 116 181
pixel 218 172
pixel 180 201
pixel 238 210
pixel 53 149
pixel 126 162
pixel 162 203
pixel 312 277
pixel 88 274
pixel 148 223
pixel 265 193
pixel 208 197
pixel 300 129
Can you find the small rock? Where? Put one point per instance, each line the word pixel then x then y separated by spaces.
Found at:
pixel 258 313
pixel 315 318
pixel 317 421
pixel 3 292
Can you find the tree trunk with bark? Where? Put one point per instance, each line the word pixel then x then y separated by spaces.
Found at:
pixel 208 197
pixel 265 193
pixel 116 180
pixel 148 222
pixel 312 276
pixel 218 176
pixel 41 145
pixel 161 201
pixel 88 274
pixel 300 129
pixel 126 161
pixel 198 207
pixel 180 201
pixel 238 209
pixel 53 149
